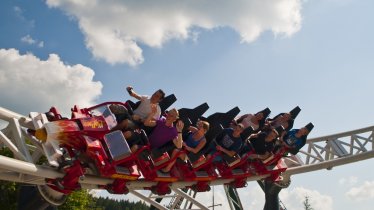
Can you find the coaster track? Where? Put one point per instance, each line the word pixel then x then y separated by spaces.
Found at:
pixel 319 153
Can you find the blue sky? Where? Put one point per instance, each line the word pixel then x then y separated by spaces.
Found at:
pixel 317 54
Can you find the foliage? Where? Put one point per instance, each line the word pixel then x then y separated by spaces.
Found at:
pixel 5 151
pixel 78 200
pixel 83 200
pixel 8 190
pixel 109 204
pixel 8 195
pixel 306 203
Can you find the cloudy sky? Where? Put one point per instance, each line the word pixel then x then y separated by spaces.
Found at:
pixel 317 54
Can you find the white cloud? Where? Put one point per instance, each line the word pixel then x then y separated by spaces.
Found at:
pixel 220 200
pixel 294 199
pixel 29 40
pixel 363 192
pixel 114 29
pixel 40 44
pixel 30 84
pixel 253 197
pixel 18 11
pixel 19 14
pixel 352 180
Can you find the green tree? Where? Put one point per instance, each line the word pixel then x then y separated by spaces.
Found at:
pixel 78 200
pixel 306 203
pixel 8 195
pixel 8 190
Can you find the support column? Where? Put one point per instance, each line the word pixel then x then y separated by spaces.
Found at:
pixel 271 195
pixel 233 198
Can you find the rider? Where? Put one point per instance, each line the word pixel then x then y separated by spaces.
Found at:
pixel 295 139
pixel 262 143
pixel 125 120
pixel 194 142
pixel 286 120
pixel 165 135
pixel 256 121
pixel 229 141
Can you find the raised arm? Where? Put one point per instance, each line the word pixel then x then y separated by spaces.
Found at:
pixel 150 121
pixel 178 141
pixel 226 151
pixel 193 129
pixel 132 93
pixel 260 157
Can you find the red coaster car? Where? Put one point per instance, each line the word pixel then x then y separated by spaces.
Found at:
pixel 88 143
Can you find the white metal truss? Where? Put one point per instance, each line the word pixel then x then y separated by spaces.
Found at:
pixel 329 151
pixel 319 153
pixel 233 197
pixel 178 200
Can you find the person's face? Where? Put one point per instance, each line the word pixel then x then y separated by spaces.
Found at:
pixel 286 116
pixel 238 129
pixel 259 116
pixel 171 116
pixel 199 124
pixel 156 97
pixel 272 135
pixel 303 131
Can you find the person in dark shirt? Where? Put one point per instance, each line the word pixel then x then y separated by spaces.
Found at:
pixel 263 143
pixel 286 120
pixel 229 142
pixel 295 139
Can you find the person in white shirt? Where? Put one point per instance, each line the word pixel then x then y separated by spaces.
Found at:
pixel 143 110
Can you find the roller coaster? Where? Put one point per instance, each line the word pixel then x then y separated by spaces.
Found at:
pixel 60 155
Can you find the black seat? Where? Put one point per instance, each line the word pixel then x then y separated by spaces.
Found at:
pixel 246 132
pixel 130 106
pixel 191 116
pixel 220 120
pixel 167 102
pixel 164 104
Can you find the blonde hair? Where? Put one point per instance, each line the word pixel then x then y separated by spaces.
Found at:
pixel 174 112
pixel 205 125
pixel 241 126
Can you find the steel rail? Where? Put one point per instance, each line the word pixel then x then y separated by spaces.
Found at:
pixel 319 153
